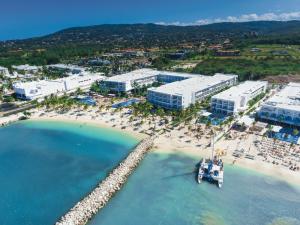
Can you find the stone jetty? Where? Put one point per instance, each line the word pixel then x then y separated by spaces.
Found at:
pixel 84 210
pixel 9 119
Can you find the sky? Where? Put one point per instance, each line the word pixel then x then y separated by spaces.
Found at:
pixel 29 18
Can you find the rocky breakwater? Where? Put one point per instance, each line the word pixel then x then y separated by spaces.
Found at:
pixel 84 210
pixel 9 119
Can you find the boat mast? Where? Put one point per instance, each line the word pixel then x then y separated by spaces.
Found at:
pixel 213 145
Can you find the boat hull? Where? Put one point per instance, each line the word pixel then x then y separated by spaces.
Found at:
pixel 205 172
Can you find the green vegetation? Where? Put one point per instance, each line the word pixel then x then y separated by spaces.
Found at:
pixel 161 62
pixel 277 44
pixel 146 109
pixel 295 132
pixel 63 103
pixel 100 89
pixel 253 101
pixel 44 55
pixel 53 73
pixel 249 69
pixel 9 98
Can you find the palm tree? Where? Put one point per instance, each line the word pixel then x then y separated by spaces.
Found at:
pixel 135 87
pixel 160 112
pixel 295 132
pixel 79 91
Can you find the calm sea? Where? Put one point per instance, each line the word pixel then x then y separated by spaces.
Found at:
pixel 163 191
pixel 46 167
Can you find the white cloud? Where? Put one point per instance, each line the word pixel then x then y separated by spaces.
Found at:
pixel 242 18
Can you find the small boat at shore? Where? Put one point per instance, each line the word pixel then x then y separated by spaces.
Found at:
pixel 211 170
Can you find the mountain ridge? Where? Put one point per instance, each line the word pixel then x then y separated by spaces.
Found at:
pixel 150 34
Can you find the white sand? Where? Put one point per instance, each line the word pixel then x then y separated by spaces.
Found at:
pixel 178 141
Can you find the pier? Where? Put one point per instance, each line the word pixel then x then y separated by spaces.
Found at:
pixel 84 210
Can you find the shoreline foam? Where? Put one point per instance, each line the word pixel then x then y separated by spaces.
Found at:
pixel 93 123
pixel 263 169
pixel 173 144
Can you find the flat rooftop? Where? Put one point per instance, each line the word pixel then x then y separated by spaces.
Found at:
pixel 144 73
pixel 26 67
pixel 287 98
pixel 31 84
pixel 133 75
pixel 194 84
pixel 243 89
pixel 178 74
pixel 66 66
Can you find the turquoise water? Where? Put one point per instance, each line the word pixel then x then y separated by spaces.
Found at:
pixel 46 167
pixel 163 191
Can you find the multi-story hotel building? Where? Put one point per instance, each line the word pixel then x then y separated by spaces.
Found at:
pixel 178 91
pixel 38 89
pixel 235 99
pixel 4 71
pixel 181 94
pixel 143 77
pixel 283 107
pixel 128 81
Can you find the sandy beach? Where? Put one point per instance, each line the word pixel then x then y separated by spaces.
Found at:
pixel 96 123
pixel 179 140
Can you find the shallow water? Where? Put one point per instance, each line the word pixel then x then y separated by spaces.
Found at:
pixel 163 190
pixel 46 167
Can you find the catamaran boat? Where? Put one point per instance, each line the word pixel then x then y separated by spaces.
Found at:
pixel 211 170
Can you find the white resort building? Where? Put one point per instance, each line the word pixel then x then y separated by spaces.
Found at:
pixel 283 107
pixel 39 89
pixel 27 68
pixel 127 82
pixel 73 69
pixel 4 71
pixel 181 94
pixel 178 91
pixel 236 99
pixel 142 77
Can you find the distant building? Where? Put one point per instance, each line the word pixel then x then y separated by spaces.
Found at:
pixel 215 47
pixel 65 67
pixel 4 71
pixel 126 82
pixel 38 89
pixel 235 99
pixel 227 44
pixel 27 68
pixel 176 55
pixel 255 50
pixel 95 62
pixel 133 53
pixel 181 94
pixel 227 53
pixel 185 66
pixel 279 52
pixel 284 107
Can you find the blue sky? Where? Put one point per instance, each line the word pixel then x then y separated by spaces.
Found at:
pixel 28 18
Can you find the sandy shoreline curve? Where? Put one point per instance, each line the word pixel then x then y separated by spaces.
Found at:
pixel 99 124
pixel 262 169
pixel 173 145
